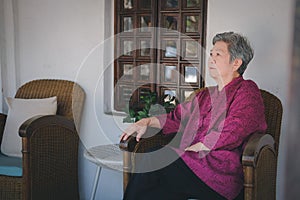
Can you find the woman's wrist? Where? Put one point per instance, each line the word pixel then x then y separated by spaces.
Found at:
pixel 154 122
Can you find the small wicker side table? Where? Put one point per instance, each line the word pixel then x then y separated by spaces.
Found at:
pixel 106 156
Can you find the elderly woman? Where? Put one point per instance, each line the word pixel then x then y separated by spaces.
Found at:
pixel 214 127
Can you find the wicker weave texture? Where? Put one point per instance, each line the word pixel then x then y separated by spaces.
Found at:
pixel 69 95
pixel 265 175
pixel 59 171
pixel 11 188
pixel 52 147
pixel 273 113
pixel 2 124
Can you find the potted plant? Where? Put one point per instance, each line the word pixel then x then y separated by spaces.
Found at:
pixel 149 106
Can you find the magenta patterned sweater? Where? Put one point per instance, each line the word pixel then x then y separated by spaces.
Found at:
pixel 223 121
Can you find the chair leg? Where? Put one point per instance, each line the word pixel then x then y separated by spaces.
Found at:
pixel 248 182
pixel 126 168
pixel 98 172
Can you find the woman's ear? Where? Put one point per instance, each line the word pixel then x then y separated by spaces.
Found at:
pixel 237 63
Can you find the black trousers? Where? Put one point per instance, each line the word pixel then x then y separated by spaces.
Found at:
pixel 174 182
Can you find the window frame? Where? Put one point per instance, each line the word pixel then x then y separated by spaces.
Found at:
pixel 155 83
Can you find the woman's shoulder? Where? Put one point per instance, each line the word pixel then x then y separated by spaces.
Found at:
pixel 249 88
pixel 249 84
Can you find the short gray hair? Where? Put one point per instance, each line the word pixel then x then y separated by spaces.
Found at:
pixel 238 47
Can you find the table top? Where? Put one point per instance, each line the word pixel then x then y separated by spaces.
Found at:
pixel 108 156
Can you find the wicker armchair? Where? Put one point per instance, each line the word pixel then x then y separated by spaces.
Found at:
pixel 259 158
pixel 49 145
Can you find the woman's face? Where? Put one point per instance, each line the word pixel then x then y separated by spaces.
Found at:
pixel 219 65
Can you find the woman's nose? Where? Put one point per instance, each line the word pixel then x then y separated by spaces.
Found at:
pixel 211 59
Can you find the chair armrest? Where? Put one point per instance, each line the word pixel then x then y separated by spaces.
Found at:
pixel 151 138
pixel 2 117
pixel 42 121
pixel 2 124
pixel 129 144
pixel 253 147
pixel 259 166
pixel 49 146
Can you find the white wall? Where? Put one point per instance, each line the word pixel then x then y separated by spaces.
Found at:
pixel 1 49
pixel 7 42
pixel 64 39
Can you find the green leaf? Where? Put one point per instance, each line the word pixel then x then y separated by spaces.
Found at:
pixel 142 113
pixel 131 113
pixel 146 108
pixel 153 99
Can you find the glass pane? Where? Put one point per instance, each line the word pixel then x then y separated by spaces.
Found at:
pixel 171 49
pixel 171 3
pixel 170 22
pixel 191 23
pixel 145 48
pixel 193 3
pixel 128 24
pixel 145 4
pixel 127 71
pixel 127 48
pixel 191 49
pixel 170 74
pixel 190 74
pixel 128 4
pixel 144 72
pixel 145 23
pixel 172 93
pixel 187 93
pixel 125 94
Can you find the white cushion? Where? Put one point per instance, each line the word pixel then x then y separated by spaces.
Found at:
pixel 19 110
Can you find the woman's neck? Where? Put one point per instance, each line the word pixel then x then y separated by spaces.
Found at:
pixel 223 82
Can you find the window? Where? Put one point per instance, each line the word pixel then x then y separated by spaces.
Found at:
pixel 158 48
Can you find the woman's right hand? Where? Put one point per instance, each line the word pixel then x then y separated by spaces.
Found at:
pixel 140 128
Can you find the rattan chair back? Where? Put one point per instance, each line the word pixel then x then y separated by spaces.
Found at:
pixel 273 113
pixel 70 96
